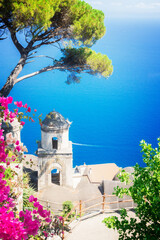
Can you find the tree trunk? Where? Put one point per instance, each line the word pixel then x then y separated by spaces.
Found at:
pixel 11 80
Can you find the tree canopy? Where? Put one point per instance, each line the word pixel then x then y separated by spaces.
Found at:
pixel 54 22
pixel 145 192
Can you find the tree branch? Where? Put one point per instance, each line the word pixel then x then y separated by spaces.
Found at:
pixel 39 56
pixel 48 33
pixel 19 47
pixel 50 68
pixel 45 43
pixel 45 69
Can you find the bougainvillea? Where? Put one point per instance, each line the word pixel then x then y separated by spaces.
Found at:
pixel 29 223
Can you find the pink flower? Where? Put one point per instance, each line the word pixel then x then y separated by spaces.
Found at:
pixel 29 109
pixel 36 204
pixel 11 228
pixel 18 104
pixel 25 105
pixel 29 222
pixel 18 148
pixel 10 99
pixel 45 233
pixel 48 220
pixel 21 214
pixel 5 101
pixel 31 198
pixel 60 218
pixel 31 226
pixel 12 115
pixel 22 123
pixel 35 110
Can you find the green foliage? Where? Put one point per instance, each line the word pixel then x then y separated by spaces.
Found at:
pixel 9 178
pixel 9 174
pixel 95 63
pixel 27 191
pixel 87 24
pixel 124 176
pixel 67 207
pixel 145 192
pixel 44 22
pixel 26 13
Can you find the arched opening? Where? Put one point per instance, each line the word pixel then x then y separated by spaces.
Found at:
pixel 55 176
pixel 55 143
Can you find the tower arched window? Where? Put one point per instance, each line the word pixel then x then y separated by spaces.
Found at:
pixel 55 176
pixel 55 143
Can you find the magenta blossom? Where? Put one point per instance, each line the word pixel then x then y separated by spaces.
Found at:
pixel 29 222
pixel 18 104
pixel 25 105
pixel 29 109
pixel 22 123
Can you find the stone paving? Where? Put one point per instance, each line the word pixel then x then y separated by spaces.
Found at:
pixel 93 229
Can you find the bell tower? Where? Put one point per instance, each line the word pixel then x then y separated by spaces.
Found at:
pixel 54 152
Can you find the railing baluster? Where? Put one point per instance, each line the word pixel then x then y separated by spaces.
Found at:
pixel 63 229
pixel 103 203
pixel 80 208
pixel 47 205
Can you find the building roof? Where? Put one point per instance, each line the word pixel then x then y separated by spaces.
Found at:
pixel 54 121
pixel 129 170
pixel 99 172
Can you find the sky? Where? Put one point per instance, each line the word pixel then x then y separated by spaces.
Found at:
pixel 128 8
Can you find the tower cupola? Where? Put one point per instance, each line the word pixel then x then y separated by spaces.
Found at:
pixel 55 132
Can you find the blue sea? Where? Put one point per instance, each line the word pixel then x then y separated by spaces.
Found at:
pixel 110 116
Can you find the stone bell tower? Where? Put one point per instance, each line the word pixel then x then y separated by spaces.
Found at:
pixel 55 152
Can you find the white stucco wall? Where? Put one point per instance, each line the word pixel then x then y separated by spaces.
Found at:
pixel 46 139
pixel 76 180
pixel 16 129
pixel 62 162
pixel 68 171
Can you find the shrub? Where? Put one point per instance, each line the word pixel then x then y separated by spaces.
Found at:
pixel 67 207
pixel 145 192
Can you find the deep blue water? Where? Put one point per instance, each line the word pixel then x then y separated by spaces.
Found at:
pixel 114 114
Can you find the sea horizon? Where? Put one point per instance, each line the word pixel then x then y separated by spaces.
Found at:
pixel 110 117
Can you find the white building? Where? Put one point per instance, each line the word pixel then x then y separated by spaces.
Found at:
pixel 55 152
